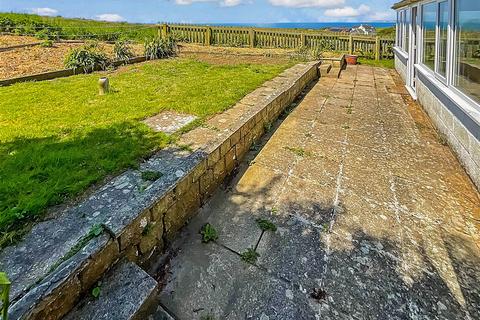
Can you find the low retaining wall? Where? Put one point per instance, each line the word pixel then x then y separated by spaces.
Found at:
pixel 458 127
pixel 19 46
pixel 63 73
pixel 61 259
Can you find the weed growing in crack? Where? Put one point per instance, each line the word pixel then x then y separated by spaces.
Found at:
pixel 268 127
pixel 151 175
pixel 326 227
pixel 207 317
pixel 250 256
pixel 274 210
pixel 254 147
pixel 298 151
pixel 147 229
pixel 442 139
pixel 209 233
pixel 346 127
pixel 96 291
pixel 266 225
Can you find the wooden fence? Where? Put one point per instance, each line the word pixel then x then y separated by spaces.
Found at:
pixel 367 46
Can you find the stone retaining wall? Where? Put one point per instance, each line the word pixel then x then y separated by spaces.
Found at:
pixel 139 218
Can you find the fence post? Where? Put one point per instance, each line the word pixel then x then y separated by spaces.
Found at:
pixel 208 36
pixel 165 31
pixel 303 41
pixel 377 48
pixel 251 34
pixel 350 44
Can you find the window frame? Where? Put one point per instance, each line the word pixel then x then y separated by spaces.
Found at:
pixel 453 68
pixel 452 49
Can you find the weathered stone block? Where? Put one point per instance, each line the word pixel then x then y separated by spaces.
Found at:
pixel 62 301
pixel 199 170
pixel 98 264
pixel 179 214
pixel 151 238
pixel 132 253
pixel 230 160
pixel 219 172
pixel 131 235
pixel 461 134
pixel 235 137
pixel 159 209
pixel 206 183
pixel 213 158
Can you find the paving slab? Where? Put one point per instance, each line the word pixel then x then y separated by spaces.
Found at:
pixel 375 218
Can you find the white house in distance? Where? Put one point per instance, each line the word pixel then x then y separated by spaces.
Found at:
pixel 363 30
pixel 437 53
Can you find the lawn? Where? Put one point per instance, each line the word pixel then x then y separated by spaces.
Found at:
pixel 384 63
pixel 59 137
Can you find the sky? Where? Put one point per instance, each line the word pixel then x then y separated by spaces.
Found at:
pixel 210 11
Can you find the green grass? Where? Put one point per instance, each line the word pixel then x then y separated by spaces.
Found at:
pixel 59 137
pixel 385 63
pixel 69 28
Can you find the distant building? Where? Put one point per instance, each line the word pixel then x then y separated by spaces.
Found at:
pixel 363 30
pixel 338 29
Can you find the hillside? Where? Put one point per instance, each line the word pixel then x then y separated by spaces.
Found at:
pixel 65 28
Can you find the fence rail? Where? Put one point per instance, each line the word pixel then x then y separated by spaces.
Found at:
pixel 367 46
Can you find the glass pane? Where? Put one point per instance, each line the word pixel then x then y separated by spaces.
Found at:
pixel 407 29
pixel 467 77
pixel 429 21
pixel 443 32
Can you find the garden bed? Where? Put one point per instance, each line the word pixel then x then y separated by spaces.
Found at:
pixel 9 41
pixel 39 59
pixel 58 137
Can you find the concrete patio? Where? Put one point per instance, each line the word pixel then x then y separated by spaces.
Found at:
pixel 375 217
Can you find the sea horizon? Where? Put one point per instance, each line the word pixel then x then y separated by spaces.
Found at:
pixel 302 25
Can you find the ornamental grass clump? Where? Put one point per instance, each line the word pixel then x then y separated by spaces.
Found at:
pixel 159 48
pixel 122 50
pixel 87 57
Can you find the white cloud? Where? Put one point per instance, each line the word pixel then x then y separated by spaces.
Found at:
pixel 381 16
pixel 348 11
pixel 307 3
pixel 45 11
pixel 230 3
pixel 110 17
pixel 222 3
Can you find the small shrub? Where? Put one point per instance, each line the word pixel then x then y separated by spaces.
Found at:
pixel 266 225
pixel 208 233
pixel 46 34
pixel 158 48
pixel 250 256
pixel 122 50
pixel 47 44
pixel 87 57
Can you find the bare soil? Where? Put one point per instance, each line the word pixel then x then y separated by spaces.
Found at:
pixel 38 59
pixel 9 41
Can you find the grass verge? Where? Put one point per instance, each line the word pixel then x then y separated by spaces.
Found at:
pixel 385 63
pixel 59 137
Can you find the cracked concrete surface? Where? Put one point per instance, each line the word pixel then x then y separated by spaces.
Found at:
pixel 371 210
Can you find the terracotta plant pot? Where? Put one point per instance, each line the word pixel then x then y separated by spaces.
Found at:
pixel 351 59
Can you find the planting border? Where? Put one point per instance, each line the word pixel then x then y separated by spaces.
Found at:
pixel 138 220
pixel 63 73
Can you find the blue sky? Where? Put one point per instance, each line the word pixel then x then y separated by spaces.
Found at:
pixel 213 11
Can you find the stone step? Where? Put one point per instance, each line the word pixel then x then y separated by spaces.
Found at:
pixel 125 293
